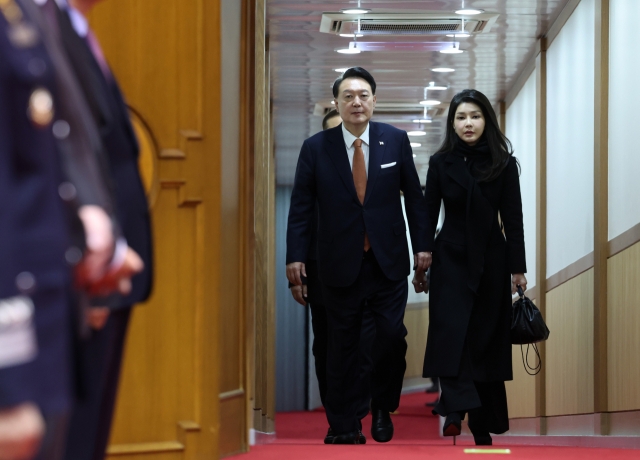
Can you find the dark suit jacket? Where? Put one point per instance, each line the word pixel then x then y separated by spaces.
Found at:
pixel 34 232
pixel 116 132
pixel 324 175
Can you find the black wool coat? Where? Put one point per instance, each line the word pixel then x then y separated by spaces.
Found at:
pixel 470 296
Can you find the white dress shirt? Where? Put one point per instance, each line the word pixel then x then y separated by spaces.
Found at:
pixel 349 139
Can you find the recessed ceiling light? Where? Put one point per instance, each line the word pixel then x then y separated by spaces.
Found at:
pixel 341 71
pixel 430 102
pixel 415 145
pixel 451 51
pixel 417 133
pixel 414 155
pixel 349 50
pixel 333 102
pixel 469 11
pixel 460 35
pixel 355 10
pixel 351 35
pixel 423 120
pixel 443 69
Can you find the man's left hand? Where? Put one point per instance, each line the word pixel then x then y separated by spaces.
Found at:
pixel 421 261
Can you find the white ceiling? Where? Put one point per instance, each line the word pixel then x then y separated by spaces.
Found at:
pixel 303 59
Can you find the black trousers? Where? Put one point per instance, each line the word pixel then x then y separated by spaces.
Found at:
pixel 485 402
pixel 385 300
pixel 99 367
pixel 321 339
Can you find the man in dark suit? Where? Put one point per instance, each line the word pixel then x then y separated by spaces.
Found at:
pixel 102 353
pixel 355 174
pixel 310 292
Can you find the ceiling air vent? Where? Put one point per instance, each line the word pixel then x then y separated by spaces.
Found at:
pixel 405 24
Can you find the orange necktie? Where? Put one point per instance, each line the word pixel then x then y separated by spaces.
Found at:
pixel 359 172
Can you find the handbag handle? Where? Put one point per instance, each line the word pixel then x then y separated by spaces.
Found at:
pixel 520 291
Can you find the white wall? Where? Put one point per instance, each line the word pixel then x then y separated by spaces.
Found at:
pixel 521 131
pixel 570 108
pixel 624 102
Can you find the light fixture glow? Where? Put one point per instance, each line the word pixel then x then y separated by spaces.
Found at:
pixel 351 35
pixel 430 102
pixel 417 133
pixel 414 155
pixel 432 87
pixel 348 51
pixel 469 11
pixel 443 69
pixel 415 145
pixel 341 70
pixel 460 35
pixel 333 102
pixel 423 120
pixel 451 51
pixel 355 10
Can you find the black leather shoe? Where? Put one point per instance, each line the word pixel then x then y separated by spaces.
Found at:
pixel 328 439
pixel 381 425
pixel 452 425
pixel 347 438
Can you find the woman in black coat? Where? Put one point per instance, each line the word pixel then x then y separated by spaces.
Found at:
pixel 476 267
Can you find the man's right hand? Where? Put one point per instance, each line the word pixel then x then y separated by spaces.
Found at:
pixel 419 281
pixel 294 270
pixel 21 432
pixel 300 294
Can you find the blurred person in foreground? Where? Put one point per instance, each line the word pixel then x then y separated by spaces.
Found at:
pixel 476 267
pixel 55 233
pixel 101 353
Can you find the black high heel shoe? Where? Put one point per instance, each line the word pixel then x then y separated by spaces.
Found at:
pixel 452 426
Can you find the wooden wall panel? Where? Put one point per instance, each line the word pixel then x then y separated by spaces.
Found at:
pixel 569 357
pixel 168 405
pixel 416 320
pixel 521 391
pixel 623 298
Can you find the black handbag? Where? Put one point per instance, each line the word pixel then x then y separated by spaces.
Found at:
pixel 527 327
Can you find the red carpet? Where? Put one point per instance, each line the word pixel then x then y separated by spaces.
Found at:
pixel 300 436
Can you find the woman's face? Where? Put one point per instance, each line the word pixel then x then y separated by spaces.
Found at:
pixel 468 122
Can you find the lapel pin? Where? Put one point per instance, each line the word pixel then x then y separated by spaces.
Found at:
pixel 381 143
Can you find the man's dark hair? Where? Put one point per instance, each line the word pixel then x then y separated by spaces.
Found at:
pixel 354 72
pixel 330 114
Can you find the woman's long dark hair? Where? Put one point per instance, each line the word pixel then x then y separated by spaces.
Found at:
pixel 499 146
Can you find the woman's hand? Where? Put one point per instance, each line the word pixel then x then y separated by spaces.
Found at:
pixel 518 279
pixel 419 281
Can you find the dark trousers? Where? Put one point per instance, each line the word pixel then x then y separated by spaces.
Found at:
pixel 485 402
pixel 100 361
pixel 321 339
pixel 385 300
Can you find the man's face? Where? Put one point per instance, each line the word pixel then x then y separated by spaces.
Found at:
pixel 355 102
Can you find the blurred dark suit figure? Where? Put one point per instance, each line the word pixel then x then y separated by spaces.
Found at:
pixel 102 353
